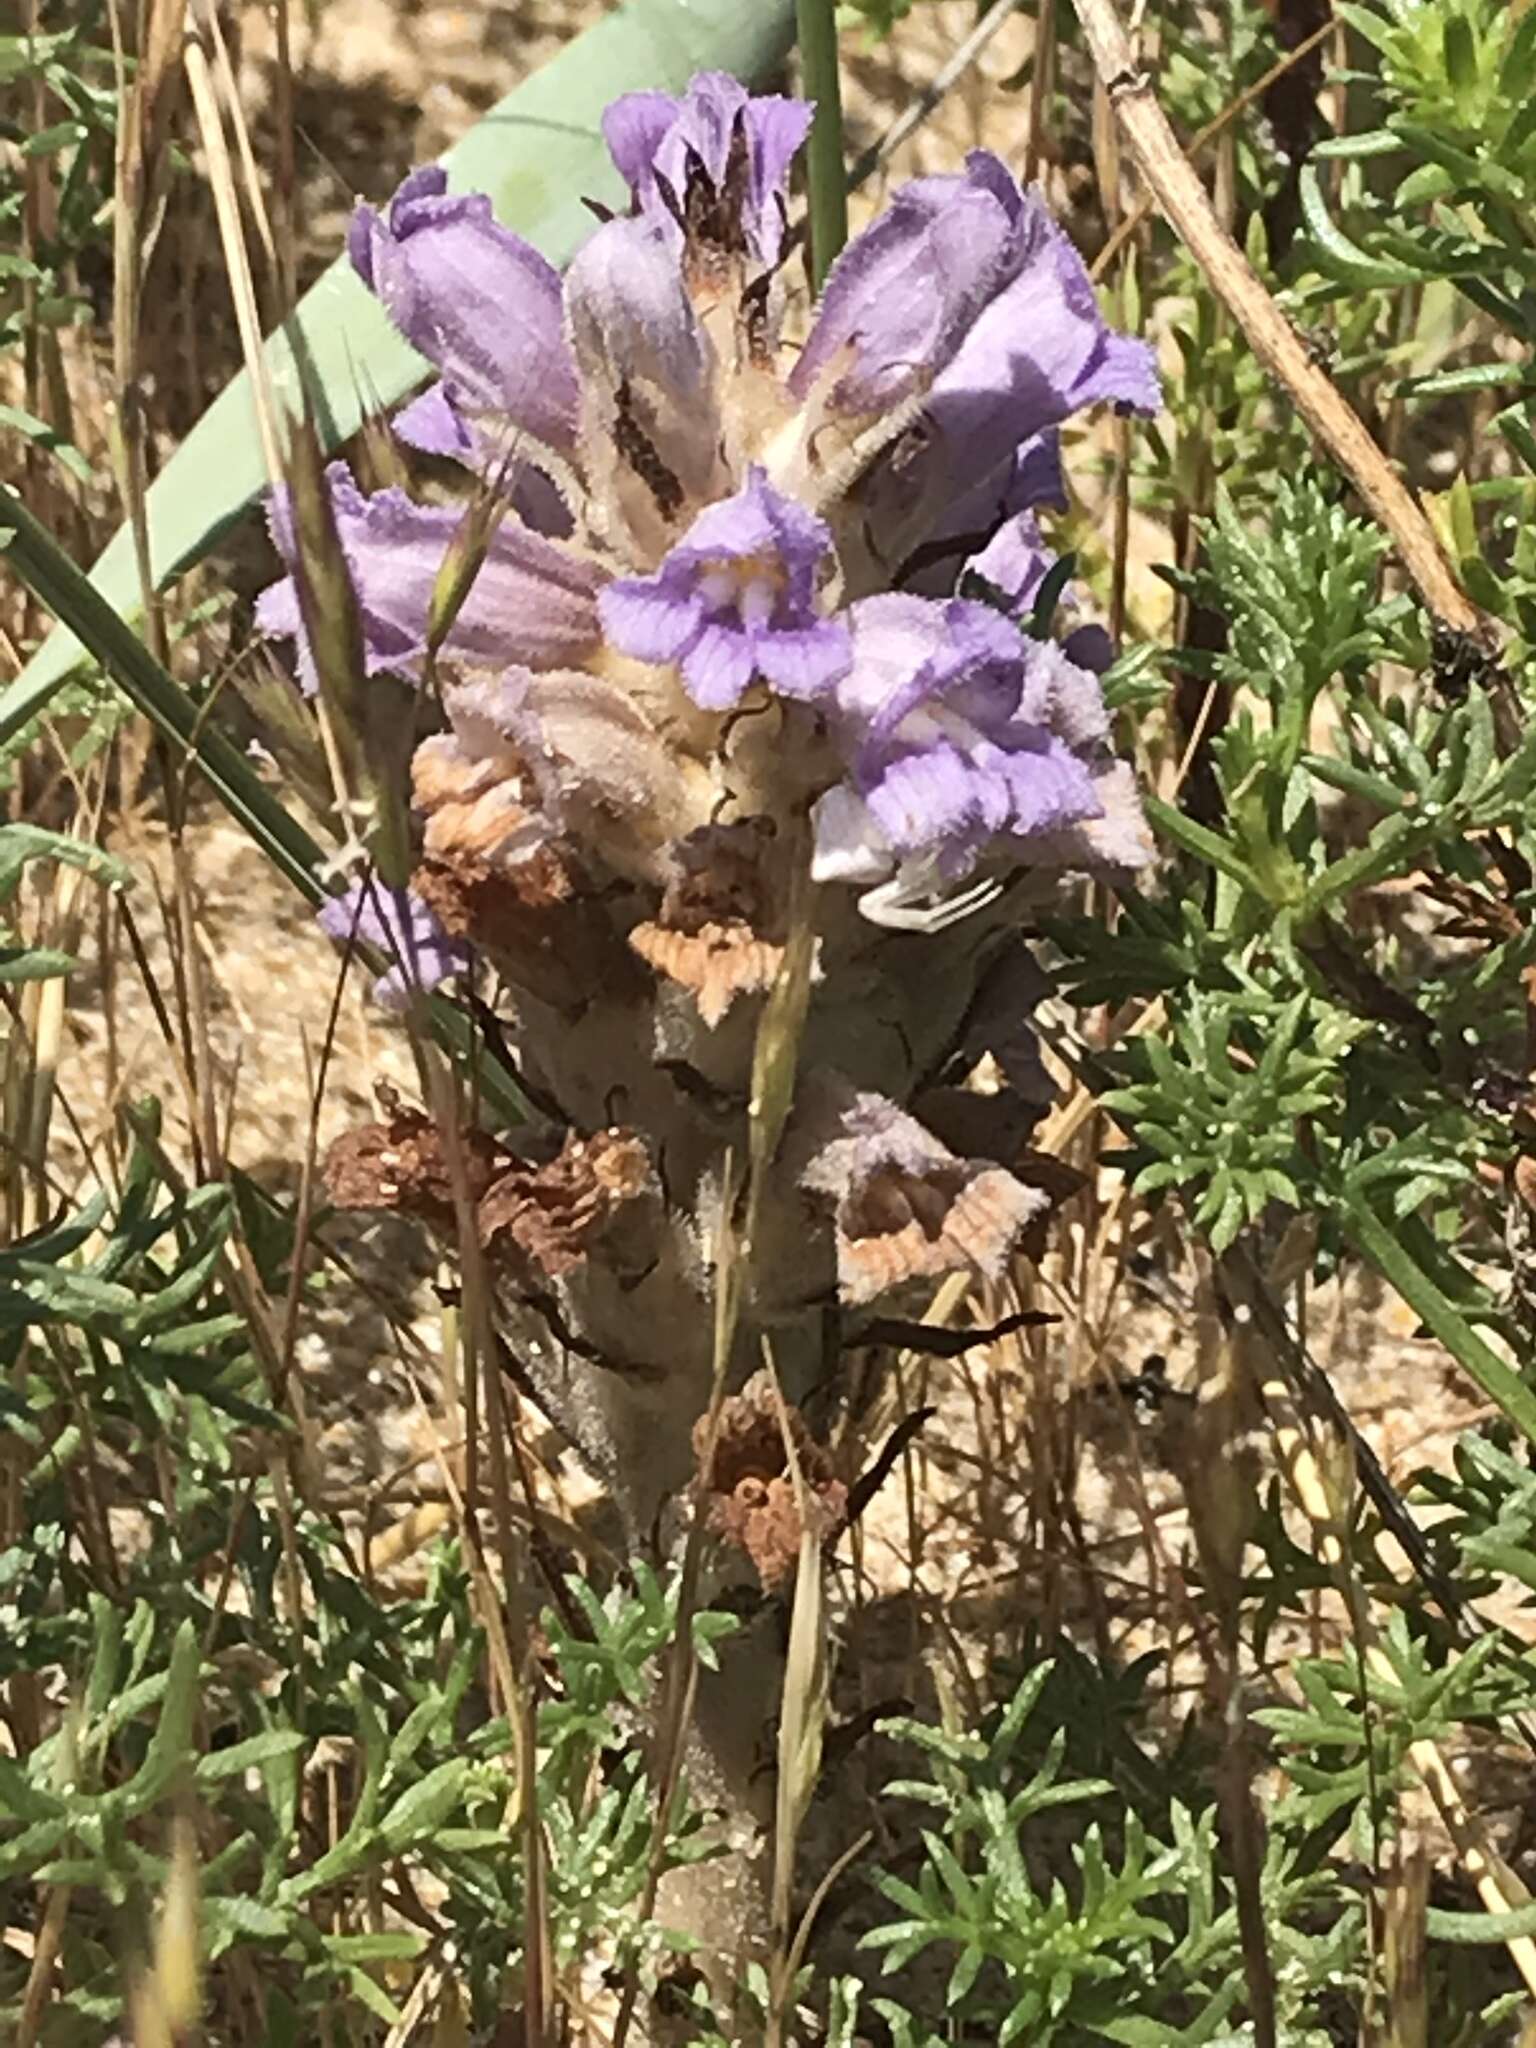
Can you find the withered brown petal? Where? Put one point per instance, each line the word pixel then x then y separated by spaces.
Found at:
pixel 749 1492
pixel 880 1247
pixel 716 964
pixel 402 1163
pixel 552 1214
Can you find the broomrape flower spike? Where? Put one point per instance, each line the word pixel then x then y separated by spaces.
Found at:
pixel 755 597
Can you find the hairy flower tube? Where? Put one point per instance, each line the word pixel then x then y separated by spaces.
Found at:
pixel 766 622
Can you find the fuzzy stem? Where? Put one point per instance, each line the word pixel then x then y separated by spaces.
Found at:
pixel 826 173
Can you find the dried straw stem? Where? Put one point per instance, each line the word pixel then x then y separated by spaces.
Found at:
pixel 1183 199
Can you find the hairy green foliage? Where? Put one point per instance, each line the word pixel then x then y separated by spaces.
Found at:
pixel 1098 1932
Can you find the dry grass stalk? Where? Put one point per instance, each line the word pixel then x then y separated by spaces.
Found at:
pixel 805 1706
pixel 1214 128
pixel 250 177
pixel 39 1990
pixel 1404 1901
pixel 141 171
pixel 505 1619
pixel 221 179
pixel 1219 1486
pixel 775 1058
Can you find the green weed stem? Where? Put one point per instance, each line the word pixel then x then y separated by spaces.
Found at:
pixel 826 174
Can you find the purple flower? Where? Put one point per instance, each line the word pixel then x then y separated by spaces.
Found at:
pixel 963 737
pixel 736 599
pixel 400 925
pixel 1015 563
pixel 903 294
pixel 434 425
pixel 1031 477
pixel 476 300
pixel 966 280
pixel 715 162
pixel 650 419
pixel 532 602
pixel 967 302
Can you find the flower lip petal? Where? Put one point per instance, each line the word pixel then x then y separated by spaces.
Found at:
pixel 735 598
pixel 718 667
pixel 634 126
pixel 960 327
pixel 650 618
pixel 962 737
pixel 805 662
pixel 908 651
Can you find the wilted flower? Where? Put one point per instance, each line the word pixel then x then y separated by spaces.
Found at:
pixel 903 1206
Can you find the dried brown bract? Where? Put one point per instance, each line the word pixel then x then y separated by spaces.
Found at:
pixel 904 1206
pixel 903 1226
pixel 527 917
pixel 749 1490
pixel 716 964
pixel 402 1163
pixel 552 1215
pixel 708 934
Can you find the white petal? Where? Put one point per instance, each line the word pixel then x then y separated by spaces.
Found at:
pixel 850 847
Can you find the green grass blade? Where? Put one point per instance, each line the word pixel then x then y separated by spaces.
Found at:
pixel 42 565
pixel 1384 1248
pixel 539 154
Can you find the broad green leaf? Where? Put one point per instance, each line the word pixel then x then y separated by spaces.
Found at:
pixel 539 154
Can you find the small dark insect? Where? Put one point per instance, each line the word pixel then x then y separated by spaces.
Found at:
pixel 1321 346
pixel 1457 662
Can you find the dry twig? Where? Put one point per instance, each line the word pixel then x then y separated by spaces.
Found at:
pixel 1183 199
